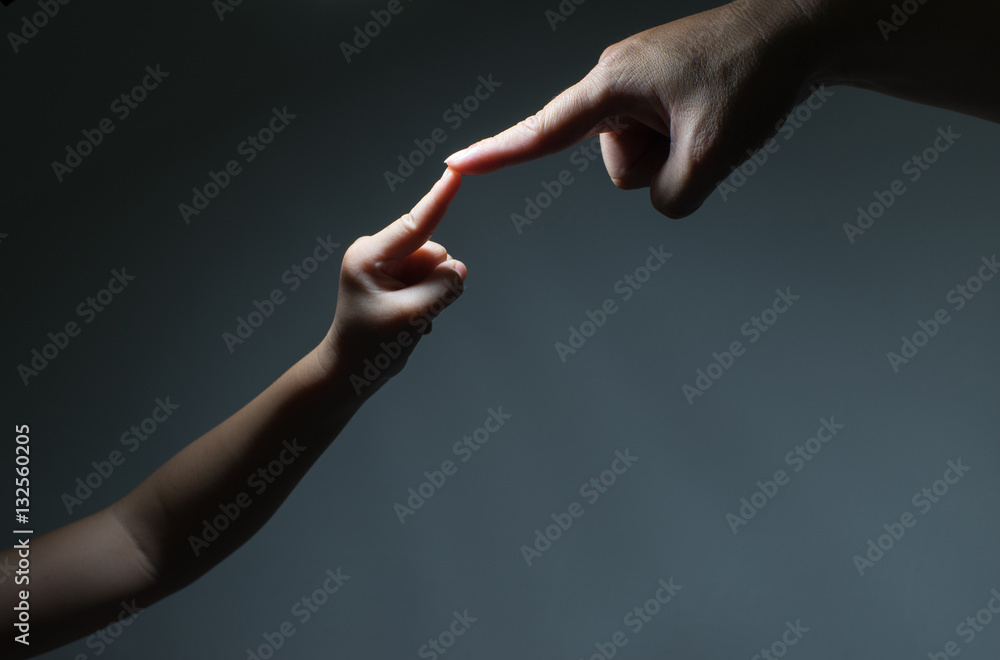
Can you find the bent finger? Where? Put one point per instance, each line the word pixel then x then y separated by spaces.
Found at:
pixel 633 157
pixel 417 265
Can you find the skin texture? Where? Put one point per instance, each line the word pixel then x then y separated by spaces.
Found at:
pixel 138 549
pixel 699 95
pixel 689 99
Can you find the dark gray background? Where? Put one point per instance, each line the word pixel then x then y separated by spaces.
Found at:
pixel 495 347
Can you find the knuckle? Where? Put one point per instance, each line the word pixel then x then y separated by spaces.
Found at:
pixel 623 54
pixel 407 221
pixel 620 69
pixel 356 257
pixel 358 249
pixel 535 124
pixel 610 56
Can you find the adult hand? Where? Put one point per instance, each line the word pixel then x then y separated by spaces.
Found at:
pixel 698 96
pixel 676 105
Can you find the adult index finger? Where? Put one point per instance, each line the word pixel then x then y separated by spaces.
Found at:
pixel 577 113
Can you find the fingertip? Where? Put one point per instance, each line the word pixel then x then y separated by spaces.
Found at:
pixel 461 269
pixel 456 158
pixel 450 180
pixel 471 159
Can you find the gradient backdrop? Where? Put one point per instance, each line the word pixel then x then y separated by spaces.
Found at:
pixel 790 566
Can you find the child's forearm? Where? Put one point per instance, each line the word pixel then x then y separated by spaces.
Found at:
pixel 154 541
pixel 216 493
pixel 242 470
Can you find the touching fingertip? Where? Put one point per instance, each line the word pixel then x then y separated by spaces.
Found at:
pixel 448 175
pixel 458 155
pixel 462 270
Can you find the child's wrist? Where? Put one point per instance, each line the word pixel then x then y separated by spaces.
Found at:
pixel 345 372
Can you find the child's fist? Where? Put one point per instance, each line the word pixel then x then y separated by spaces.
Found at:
pixel 392 285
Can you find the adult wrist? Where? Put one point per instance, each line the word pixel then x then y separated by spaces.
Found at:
pixel 803 36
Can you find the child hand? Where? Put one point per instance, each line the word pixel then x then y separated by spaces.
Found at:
pixel 392 285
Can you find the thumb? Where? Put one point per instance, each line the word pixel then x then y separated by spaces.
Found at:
pixel 682 183
pixel 565 120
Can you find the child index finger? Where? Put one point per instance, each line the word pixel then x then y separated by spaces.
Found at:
pixel 405 236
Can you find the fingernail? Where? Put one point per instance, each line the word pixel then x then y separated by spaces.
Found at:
pixel 462 270
pixel 458 155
